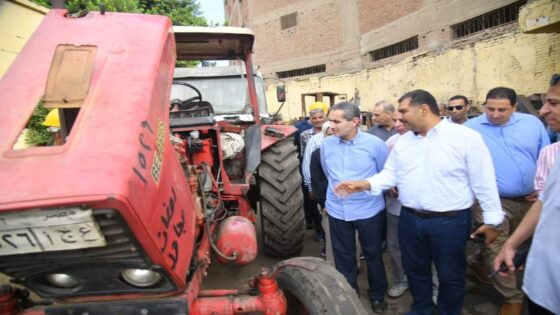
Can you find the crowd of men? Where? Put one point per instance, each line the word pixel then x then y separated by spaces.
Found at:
pixel 424 180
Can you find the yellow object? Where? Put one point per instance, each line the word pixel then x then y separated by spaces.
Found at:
pixel 319 105
pixel 52 119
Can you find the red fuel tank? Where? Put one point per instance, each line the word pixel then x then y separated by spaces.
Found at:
pixel 237 235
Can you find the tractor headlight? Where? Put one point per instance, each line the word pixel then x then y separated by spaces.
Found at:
pixel 62 280
pixel 140 277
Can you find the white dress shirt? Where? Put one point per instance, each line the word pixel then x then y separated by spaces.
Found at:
pixel 442 171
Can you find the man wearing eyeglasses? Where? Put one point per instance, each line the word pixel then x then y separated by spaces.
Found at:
pixel 458 108
pixel 514 140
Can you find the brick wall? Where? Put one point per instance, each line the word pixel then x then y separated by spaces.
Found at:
pixel 307 44
pixel 376 13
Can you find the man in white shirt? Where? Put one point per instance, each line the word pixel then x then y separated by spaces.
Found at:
pixel 439 168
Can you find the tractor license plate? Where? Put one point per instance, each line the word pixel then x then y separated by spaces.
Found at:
pixel 48 230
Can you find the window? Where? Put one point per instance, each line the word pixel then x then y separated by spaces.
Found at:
pixel 395 49
pixel 501 16
pixel 301 71
pixel 288 21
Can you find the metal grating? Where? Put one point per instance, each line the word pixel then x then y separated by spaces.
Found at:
pixel 301 71
pixel 395 49
pixel 501 16
pixel 287 21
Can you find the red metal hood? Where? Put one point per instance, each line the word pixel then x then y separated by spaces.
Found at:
pixel 126 102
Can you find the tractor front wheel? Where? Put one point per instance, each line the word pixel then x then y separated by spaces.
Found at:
pixel 281 200
pixel 313 287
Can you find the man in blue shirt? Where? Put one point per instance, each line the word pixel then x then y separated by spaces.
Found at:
pixel 353 154
pixel 514 140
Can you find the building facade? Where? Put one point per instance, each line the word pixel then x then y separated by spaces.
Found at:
pixel 369 50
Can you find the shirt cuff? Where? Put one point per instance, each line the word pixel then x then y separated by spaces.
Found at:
pixel 493 217
pixel 375 189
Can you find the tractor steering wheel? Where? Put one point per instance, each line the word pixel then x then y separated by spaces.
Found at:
pixel 197 98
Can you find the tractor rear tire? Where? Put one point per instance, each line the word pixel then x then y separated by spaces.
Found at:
pixel 281 200
pixel 314 287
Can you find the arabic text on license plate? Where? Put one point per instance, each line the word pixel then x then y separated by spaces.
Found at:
pixel 48 230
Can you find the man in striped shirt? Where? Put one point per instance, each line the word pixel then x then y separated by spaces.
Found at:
pixel 317 112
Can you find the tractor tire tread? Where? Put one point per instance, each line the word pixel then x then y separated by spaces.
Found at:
pixel 322 291
pixel 281 200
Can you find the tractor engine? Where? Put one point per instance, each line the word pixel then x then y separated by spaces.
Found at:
pixel 236 241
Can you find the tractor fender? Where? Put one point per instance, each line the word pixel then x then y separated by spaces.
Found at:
pixel 259 138
pixel 271 134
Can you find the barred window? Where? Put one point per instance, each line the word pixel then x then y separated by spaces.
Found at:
pixel 395 49
pixel 288 21
pixel 501 16
pixel 301 71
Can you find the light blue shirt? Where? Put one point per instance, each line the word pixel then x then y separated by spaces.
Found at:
pixel 515 148
pixel 359 158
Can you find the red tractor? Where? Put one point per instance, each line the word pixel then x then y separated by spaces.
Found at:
pixel 123 216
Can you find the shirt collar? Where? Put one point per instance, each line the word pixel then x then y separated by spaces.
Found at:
pixel 358 134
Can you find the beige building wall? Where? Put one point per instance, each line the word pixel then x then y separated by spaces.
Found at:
pixel 524 62
pixel 18 21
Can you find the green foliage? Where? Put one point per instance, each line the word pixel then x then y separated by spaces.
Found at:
pixel 186 63
pixel 110 5
pixel 181 12
pixel 44 3
pixel 38 134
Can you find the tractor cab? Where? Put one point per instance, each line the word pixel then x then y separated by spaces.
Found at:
pixel 226 81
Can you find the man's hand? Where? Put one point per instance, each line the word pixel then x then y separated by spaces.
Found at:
pixel 393 192
pixel 311 195
pixel 490 233
pixel 348 187
pixel 505 256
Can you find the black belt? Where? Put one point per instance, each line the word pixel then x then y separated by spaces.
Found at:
pixel 433 214
pixel 519 198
